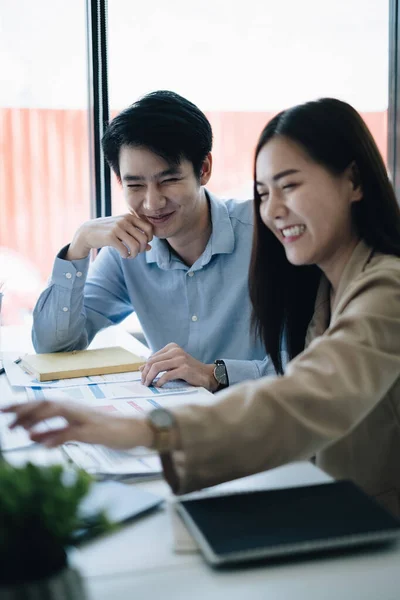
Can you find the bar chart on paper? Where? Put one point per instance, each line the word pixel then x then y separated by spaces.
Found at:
pixel 110 391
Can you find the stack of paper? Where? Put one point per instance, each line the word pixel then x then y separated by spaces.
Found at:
pixel 105 463
pixel 119 393
pixel 137 464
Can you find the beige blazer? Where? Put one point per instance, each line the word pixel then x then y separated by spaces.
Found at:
pixel 339 401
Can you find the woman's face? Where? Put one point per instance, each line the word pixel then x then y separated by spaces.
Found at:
pixel 305 205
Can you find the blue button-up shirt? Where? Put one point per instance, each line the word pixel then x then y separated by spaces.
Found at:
pixel 204 308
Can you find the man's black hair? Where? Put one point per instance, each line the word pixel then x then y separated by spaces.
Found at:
pixel 164 123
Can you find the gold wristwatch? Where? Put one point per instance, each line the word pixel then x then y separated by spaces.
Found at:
pixel 162 422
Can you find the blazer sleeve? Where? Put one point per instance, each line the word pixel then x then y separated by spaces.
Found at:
pixel 326 391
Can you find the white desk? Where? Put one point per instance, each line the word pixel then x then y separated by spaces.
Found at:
pixel 138 561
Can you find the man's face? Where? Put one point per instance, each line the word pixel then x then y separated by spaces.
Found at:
pixel 168 197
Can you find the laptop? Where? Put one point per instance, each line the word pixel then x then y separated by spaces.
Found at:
pixel 270 524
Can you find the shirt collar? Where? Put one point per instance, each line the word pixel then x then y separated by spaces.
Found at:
pixel 160 253
pixel 222 239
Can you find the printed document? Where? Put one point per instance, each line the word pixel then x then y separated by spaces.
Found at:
pixel 110 391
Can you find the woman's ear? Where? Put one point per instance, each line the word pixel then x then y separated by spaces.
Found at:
pixel 355 180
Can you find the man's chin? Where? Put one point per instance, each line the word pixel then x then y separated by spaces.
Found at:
pixel 161 236
pixel 164 232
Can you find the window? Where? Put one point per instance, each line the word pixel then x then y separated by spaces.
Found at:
pixel 44 156
pixel 239 62
pixel 243 62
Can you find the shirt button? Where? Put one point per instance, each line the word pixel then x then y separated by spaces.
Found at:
pixel 79 274
pixel 194 318
pixel 68 275
pixel 65 309
pixel 190 273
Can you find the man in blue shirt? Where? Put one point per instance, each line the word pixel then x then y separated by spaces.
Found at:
pixel 179 257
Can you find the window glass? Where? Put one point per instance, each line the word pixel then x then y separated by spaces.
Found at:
pixel 44 155
pixel 242 62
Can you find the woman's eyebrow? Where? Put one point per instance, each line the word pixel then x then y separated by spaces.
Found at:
pixel 280 175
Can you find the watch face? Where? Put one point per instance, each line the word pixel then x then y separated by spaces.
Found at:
pixel 161 418
pixel 220 374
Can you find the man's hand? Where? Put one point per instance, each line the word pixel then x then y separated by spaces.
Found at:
pixel 179 365
pixel 82 425
pixel 129 234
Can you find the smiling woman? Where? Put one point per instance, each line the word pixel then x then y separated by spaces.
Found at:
pixel 321 186
pixel 308 207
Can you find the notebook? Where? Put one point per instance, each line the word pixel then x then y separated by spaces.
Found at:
pixel 80 363
pixel 233 528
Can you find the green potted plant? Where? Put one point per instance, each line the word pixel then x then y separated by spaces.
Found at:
pixel 39 517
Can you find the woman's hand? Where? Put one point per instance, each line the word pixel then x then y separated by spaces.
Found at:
pixel 82 425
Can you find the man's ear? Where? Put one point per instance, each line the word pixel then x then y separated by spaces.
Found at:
pixel 355 180
pixel 206 169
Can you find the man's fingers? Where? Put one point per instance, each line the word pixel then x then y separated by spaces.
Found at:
pixel 169 376
pixel 164 365
pixel 170 352
pixel 123 250
pixel 138 235
pixel 144 371
pixel 159 354
pixel 140 223
pixel 155 359
pixel 131 243
pixel 135 240
pixel 167 348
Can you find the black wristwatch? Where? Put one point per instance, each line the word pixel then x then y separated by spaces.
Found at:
pixel 221 374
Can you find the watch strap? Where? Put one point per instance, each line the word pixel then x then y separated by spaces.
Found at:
pixel 162 440
pixel 163 435
pixel 221 383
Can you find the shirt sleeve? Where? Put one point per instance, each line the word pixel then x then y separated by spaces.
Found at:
pixel 326 391
pixel 241 370
pixel 76 303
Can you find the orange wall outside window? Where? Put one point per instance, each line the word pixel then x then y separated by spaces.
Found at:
pixel 45 183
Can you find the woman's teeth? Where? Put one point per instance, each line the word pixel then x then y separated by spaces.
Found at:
pixel 293 231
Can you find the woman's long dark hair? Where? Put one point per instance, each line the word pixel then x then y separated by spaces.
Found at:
pixel 283 295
